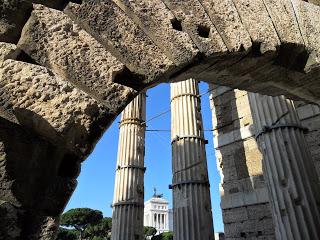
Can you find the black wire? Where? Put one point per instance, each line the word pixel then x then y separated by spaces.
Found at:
pixel 169 110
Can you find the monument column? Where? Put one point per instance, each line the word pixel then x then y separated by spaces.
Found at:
pixel 191 190
pixel 128 204
pixel 288 169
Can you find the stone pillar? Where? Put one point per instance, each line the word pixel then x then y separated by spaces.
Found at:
pixel 288 168
pixel 128 205
pixel 244 194
pixel 191 189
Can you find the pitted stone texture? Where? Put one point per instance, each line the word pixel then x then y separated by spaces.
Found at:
pixel 225 17
pixel 197 24
pixel 256 20
pixel 13 16
pixel 8 224
pixel 244 197
pixel 37 178
pixel 7 50
pixel 15 13
pixel 156 21
pixel 316 2
pixel 107 23
pixel 309 23
pixel 284 20
pixel 251 222
pixel 43 102
pixel 51 38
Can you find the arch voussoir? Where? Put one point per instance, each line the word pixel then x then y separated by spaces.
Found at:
pixel 67 72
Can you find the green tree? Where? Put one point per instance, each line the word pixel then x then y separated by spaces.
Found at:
pixel 163 236
pixel 67 234
pixel 149 232
pixel 80 219
pixel 99 230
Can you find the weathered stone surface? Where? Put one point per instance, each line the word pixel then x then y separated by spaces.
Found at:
pixel 284 20
pixel 244 196
pixel 256 20
pixel 37 178
pixel 7 50
pixel 158 23
pixel 15 13
pixel 55 123
pixel 316 2
pixel 197 24
pixel 128 199
pixel 249 229
pixel 51 38
pixel 309 116
pixel 293 183
pixel 43 102
pixel 8 225
pixel 13 16
pixel 117 32
pixel 309 23
pixel 225 17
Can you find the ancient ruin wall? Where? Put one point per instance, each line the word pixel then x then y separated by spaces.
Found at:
pixel 70 76
pixel 244 197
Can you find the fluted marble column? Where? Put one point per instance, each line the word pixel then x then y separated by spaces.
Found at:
pixel 288 168
pixel 128 204
pixel 192 214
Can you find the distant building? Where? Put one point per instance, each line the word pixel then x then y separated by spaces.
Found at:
pixel 157 214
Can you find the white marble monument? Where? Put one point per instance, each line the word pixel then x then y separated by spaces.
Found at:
pixel 157 214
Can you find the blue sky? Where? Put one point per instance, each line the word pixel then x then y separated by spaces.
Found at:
pixel 96 181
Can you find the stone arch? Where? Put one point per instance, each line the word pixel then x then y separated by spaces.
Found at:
pixel 68 69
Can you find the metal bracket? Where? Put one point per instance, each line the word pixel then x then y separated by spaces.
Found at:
pixel 127 203
pixel 131 166
pixel 171 186
pixel 184 94
pixel 270 128
pixel 177 138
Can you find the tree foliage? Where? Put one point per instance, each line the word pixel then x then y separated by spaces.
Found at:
pixel 149 232
pixel 163 236
pixel 100 230
pixel 80 219
pixel 67 234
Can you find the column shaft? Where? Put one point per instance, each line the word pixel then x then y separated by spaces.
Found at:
pixel 288 168
pixel 128 204
pixel 191 190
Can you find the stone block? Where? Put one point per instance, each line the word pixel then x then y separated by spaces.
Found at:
pixel 259 212
pixel 158 22
pixel 196 22
pixel 234 215
pixel 9 217
pixel 307 111
pixel 225 17
pixel 52 40
pixel 249 228
pixel 241 199
pixel 254 15
pixel 51 107
pixel 284 20
pixel 107 23
pixel 7 51
pixel 13 16
pixel 37 179
pixel 309 23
